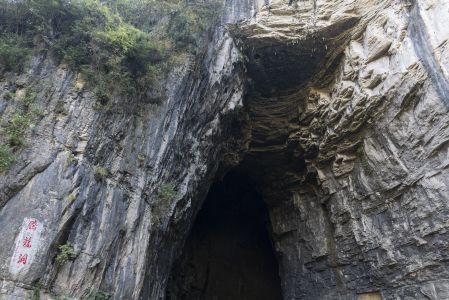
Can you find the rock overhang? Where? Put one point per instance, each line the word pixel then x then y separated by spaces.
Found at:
pixel 282 58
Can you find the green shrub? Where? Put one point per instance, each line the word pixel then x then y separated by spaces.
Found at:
pixel 87 73
pixel 58 297
pixel 191 24
pixel 103 93
pixel 59 107
pixel 7 158
pixel 8 95
pixel 97 295
pixel 65 254
pixel 12 135
pixel 100 173
pixel 70 159
pixel 29 98
pixel 121 43
pixel 14 51
pixel 36 294
pixel 16 128
pixel 166 191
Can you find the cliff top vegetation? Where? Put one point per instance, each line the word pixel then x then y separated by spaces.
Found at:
pixel 130 42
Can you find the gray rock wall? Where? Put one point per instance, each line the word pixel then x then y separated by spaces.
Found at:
pixel 90 177
pixel 339 109
pixel 366 217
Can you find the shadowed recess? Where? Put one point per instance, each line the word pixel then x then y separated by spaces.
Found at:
pixel 229 254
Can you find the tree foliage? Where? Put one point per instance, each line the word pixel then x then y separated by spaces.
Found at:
pixel 125 42
pixel 122 47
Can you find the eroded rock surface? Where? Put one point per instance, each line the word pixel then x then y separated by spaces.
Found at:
pixel 337 109
pixel 366 132
pixel 92 177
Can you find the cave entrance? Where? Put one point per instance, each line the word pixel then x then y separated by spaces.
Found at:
pixel 228 254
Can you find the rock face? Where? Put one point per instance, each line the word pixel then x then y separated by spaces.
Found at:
pixel 336 109
pixel 365 129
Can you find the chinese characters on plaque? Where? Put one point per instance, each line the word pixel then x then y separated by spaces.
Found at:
pixel 26 246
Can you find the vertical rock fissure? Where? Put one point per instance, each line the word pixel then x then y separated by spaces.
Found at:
pixel 420 36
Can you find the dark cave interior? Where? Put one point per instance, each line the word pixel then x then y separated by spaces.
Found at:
pixel 228 254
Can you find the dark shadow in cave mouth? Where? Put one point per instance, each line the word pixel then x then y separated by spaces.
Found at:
pixel 229 254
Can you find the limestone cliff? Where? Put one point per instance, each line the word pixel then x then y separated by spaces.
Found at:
pixel 336 110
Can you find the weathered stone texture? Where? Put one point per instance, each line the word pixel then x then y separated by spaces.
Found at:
pixel 369 214
pixel 339 107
